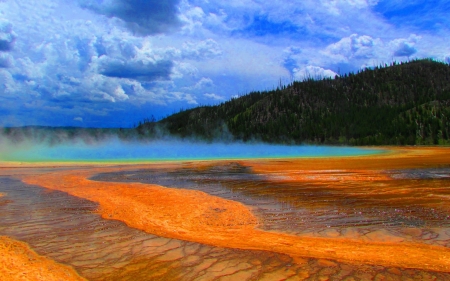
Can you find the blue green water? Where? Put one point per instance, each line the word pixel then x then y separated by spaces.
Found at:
pixel 170 150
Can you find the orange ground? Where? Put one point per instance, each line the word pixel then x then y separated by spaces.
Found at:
pixel 199 217
pixel 19 262
pixel 395 158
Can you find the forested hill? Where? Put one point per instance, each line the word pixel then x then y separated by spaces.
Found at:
pixel 404 103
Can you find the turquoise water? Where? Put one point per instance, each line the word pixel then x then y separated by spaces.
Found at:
pixel 170 150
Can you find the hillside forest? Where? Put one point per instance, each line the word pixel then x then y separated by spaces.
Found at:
pixel 397 104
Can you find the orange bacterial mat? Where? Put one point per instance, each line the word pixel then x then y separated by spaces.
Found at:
pixel 351 218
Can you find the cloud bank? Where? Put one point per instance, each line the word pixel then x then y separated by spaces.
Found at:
pixel 143 17
pixel 112 63
pixel 7 36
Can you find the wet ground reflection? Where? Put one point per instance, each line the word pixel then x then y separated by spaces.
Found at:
pixel 68 230
pixel 399 205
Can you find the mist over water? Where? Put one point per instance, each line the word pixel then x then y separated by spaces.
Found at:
pixel 161 150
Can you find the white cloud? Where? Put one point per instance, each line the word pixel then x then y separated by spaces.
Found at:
pixel 6 84
pixel 5 60
pixel 183 69
pixel 215 20
pixel 61 61
pixel 7 35
pixel 180 96
pixel 313 17
pixel 342 8
pixel 314 72
pixel 119 93
pixel 104 59
pixel 79 119
pixel 205 49
pixel 405 47
pixel 364 50
pixel 354 47
pixel 204 83
pixel 192 18
pixel 214 96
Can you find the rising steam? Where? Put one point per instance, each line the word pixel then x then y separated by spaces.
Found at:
pixel 44 145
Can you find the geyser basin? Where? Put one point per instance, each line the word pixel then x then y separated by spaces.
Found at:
pixel 110 250
pixel 383 205
pixel 387 182
pixel 118 151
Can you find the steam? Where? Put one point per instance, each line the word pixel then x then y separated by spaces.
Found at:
pixel 42 145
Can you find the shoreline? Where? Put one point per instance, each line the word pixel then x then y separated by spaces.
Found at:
pixel 133 161
pixel 77 163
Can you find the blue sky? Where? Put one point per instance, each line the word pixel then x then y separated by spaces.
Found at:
pixel 111 63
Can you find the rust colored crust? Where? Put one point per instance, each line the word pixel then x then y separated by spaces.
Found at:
pixel 199 217
pixel 19 262
pixel 394 158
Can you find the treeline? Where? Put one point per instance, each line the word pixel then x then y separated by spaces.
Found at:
pixel 401 104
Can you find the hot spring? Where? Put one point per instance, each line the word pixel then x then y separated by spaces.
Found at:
pixel 172 150
pixel 251 212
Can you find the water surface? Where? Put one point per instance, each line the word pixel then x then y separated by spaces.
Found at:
pixel 410 205
pixel 118 151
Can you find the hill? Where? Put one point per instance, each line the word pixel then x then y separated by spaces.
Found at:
pixel 403 103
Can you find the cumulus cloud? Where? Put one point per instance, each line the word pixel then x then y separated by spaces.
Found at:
pixel 83 63
pixel 6 80
pixel 292 56
pixel 205 49
pixel 138 70
pixel 184 70
pixel 79 119
pixel 306 20
pixel 120 93
pixel 57 58
pixel 7 36
pixel 204 82
pixel 144 17
pixel 354 47
pixel 180 96
pixel 214 96
pixel 67 65
pixel 337 6
pixel 314 72
pixel 405 47
pixel 365 51
pixel 5 60
pixel 404 50
pixel 192 18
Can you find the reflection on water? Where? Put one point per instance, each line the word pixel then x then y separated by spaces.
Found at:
pixel 398 209
pixel 68 230
pixel 432 173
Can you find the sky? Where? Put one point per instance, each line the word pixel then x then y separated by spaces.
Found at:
pixel 112 63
